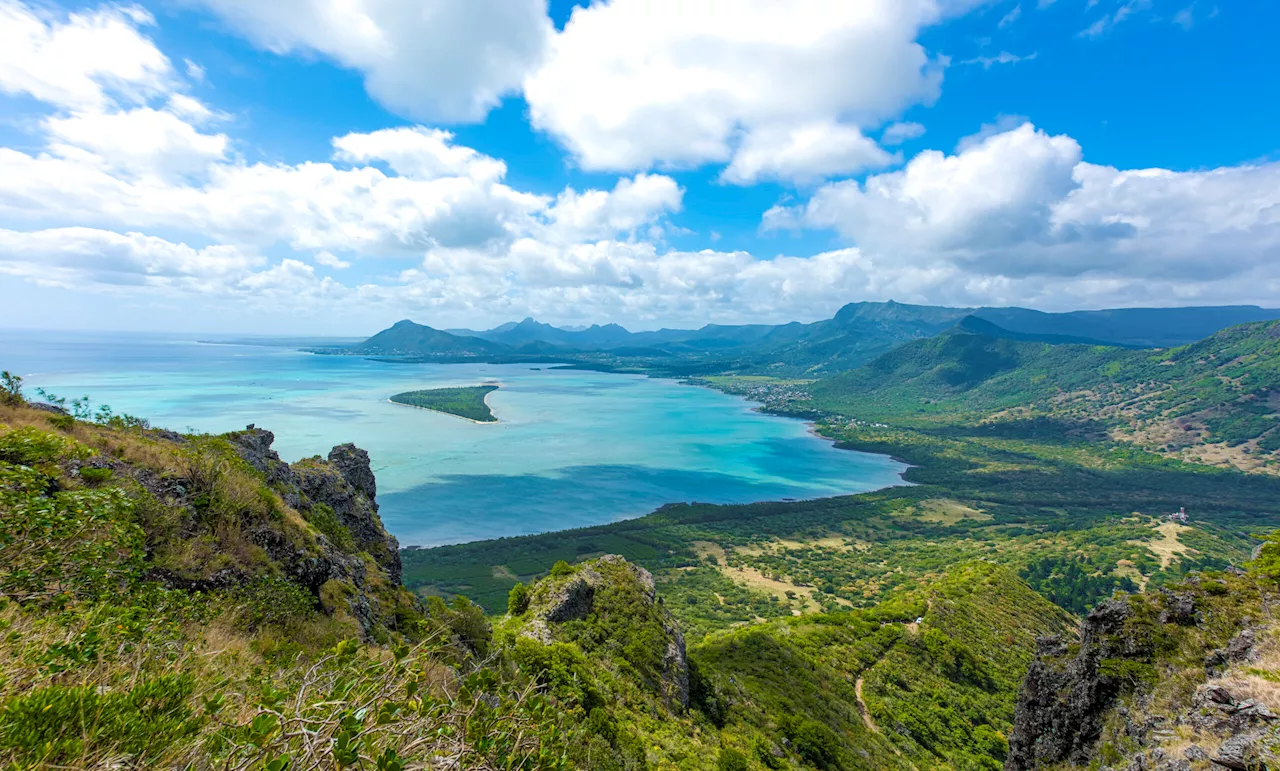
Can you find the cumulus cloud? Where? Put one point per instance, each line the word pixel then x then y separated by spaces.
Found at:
pixel 134 192
pixel 82 60
pixel 75 255
pixel 142 140
pixel 632 84
pixel 803 153
pixel 425 59
pixel 330 260
pixel 418 152
pixel 595 214
pixel 1022 207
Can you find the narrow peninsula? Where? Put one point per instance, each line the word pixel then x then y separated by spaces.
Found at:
pixel 467 402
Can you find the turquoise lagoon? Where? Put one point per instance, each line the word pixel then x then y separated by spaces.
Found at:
pixel 572 448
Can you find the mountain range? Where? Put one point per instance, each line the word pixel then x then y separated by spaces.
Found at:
pixel 855 335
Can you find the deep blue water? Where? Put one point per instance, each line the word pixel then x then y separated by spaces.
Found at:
pixel 571 449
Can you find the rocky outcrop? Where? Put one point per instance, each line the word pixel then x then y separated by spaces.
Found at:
pixel 335 493
pixel 254 445
pixel 353 464
pixel 1063 698
pixel 344 485
pixel 620 598
pixel 1123 686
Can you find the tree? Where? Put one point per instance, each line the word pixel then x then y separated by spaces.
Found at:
pixel 10 388
pixel 518 600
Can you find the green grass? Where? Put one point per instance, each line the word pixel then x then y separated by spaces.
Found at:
pixel 467 402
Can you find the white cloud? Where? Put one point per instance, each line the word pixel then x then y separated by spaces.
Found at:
pixel 898 133
pixel 1013 215
pixel 141 140
pixel 1004 57
pixel 329 260
pixel 1021 210
pixel 83 60
pixel 989 194
pixel 803 153
pixel 78 255
pixel 632 84
pixel 1011 16
pixel 425 59
pixel 1108 21
pixel 420 153
pixel 1185 18
pixel 595 214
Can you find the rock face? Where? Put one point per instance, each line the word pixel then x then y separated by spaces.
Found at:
pixel 1123 685
pixel 1062 703
pixel 613 596
pixel 339 491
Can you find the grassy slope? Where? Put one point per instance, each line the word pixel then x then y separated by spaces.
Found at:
pixel 467 402
pixel 785 694
pixel 940 693
pixel 146 623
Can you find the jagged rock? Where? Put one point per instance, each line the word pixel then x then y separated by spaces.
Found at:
pixel 254 445
pixel 344 484
pixel 1241 646
pixel 1195 753
pixel 1218 694
pixel 559 600
pixel 1180 608
pixel 45 407
pixel 1242 752
pixel 1060 709
pixel 353 464
pixel 573 601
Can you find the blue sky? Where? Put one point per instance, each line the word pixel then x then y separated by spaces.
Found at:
pixel 313 166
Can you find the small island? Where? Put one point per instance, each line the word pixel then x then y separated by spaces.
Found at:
pixel 467 402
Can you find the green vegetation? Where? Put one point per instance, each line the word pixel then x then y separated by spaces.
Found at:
pixel 467 402
pixel 1217 394
pixel 179 613
pixel 190 601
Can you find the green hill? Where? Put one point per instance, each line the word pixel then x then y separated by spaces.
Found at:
pixel 406 338
pixel 1223 392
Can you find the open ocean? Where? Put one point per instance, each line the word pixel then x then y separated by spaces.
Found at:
pixel 572 449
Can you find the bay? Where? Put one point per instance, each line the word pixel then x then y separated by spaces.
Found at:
pixel 571 448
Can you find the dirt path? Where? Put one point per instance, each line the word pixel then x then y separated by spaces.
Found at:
pixel 862 707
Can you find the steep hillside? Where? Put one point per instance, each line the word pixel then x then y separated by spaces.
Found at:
pixel 190 601
pixel 925 681
pixel 1182 679
pixel 1217 399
